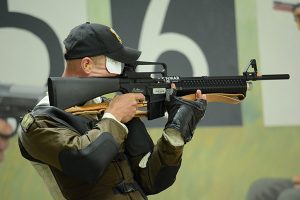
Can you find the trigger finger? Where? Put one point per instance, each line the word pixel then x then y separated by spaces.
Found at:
pixel 139 97
pixel 199 95
pixel 173 85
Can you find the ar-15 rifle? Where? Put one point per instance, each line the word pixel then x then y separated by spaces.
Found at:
pixel 16 100
pixel 67 92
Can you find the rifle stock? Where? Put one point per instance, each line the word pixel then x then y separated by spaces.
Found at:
pixel 67 92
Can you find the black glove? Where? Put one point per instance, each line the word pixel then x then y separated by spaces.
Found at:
pixel 184 115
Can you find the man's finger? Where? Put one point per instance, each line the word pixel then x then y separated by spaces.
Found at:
pixel 199 95
pixel 139 96
pixel 173 85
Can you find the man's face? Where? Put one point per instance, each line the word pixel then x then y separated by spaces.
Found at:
pixel 297 16
pixel 5 131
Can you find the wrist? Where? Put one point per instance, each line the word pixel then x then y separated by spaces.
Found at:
pixel 111 116
pixel 174 137
pixel 113 113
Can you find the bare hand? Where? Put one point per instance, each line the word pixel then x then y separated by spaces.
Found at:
pixel 124 106
pixel 296 181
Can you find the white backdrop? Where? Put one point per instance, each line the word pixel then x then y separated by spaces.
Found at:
pixel 24 57
pixel 279 48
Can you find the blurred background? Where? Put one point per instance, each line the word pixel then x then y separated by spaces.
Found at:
pixel 233 146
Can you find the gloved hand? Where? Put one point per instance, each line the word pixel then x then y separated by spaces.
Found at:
pixel 184 115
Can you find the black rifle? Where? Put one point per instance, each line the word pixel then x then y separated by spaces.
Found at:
pixel 67 92
pixel 16 100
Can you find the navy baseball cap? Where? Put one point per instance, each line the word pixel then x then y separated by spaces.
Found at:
pixel 91 39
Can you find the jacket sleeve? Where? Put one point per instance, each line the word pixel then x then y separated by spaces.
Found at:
pixel 160 170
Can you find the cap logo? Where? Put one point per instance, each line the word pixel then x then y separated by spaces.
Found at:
pixel 116 35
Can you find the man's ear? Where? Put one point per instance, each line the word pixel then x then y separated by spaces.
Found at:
pixel 87 65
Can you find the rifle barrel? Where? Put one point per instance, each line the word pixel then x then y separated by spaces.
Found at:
pixel 273 77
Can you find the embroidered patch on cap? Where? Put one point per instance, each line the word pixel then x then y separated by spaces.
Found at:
pixel 116 35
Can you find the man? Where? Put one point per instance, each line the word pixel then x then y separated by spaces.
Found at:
pixel 275 189
pixel 6 132
pixel 110 156
pixel 296 13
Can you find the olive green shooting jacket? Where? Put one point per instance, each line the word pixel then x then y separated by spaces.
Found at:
pixel 148 168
